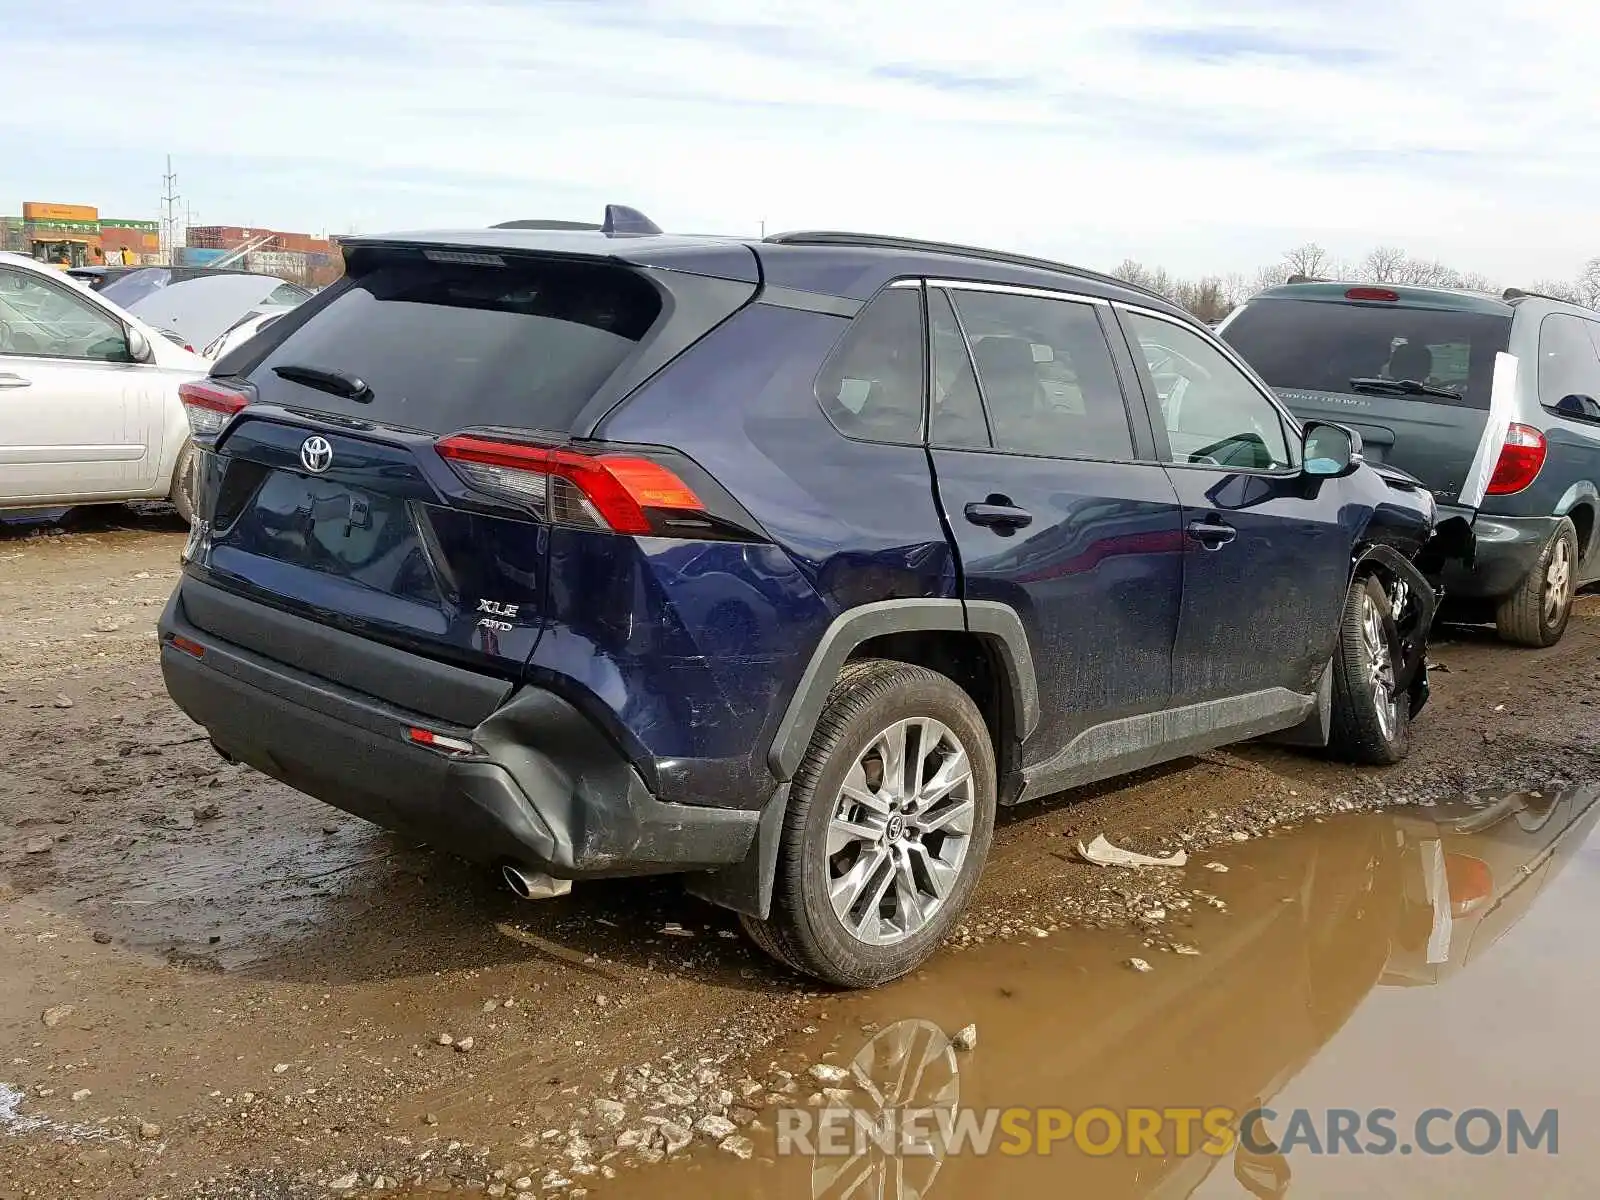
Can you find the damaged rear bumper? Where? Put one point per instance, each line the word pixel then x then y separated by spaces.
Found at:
pixel 535 784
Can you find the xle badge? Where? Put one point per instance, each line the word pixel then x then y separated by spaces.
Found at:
pixel 499 615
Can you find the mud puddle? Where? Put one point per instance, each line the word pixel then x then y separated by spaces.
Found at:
pixel 1409 993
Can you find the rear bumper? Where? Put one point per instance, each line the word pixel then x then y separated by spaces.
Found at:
pixel 543 787
pixel 1506 550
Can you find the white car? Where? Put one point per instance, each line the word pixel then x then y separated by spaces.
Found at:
pixel 89 407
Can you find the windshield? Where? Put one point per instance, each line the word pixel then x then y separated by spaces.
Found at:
pixel 1320 346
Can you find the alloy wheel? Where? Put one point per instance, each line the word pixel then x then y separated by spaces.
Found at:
pixel 900 831
pixel 1557 581
pixel 1380 666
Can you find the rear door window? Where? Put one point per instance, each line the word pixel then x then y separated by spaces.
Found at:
pixel 1320 346
pixel 446 346
pixel 871 386
pixel 1046 374
pixel 1568 365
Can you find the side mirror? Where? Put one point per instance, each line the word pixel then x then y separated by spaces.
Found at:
pixel 1329 451
pixel 139 348
pixel 1582 408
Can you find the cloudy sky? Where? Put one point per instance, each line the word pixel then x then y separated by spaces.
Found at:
pixel 1206 135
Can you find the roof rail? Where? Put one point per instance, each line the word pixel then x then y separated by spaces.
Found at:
pixel 1297 277
pixel 620 221
pixel 880 241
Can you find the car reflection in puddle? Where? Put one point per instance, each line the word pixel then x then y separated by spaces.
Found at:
pixel 1394 961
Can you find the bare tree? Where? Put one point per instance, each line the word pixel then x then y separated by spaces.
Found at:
pixel 1309 259
pixel 1558 289
pixel 1422 273
pixel 1588 284
pixel 1132 271
pixel 1382 264
pixel 1205 298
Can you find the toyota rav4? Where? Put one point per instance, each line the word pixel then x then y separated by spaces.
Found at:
pixel 779 564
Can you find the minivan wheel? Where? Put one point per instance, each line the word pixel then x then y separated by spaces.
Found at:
pixel 1536 613
pixel 1371 721
pixel 183 481
pixel 888 825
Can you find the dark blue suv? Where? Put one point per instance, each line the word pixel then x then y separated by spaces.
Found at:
pixel 777 563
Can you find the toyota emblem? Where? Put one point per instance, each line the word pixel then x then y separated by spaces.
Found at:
pixel 316 454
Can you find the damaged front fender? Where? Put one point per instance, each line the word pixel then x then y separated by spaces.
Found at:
pixel 1413 601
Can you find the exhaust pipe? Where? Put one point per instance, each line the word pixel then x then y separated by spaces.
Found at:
pixel 534 885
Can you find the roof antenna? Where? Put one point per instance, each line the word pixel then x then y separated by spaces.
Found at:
pixel 622 221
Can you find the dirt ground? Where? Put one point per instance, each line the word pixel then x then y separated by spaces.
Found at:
pixel 215 987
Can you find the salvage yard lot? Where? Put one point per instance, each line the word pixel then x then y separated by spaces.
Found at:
pixel 214 984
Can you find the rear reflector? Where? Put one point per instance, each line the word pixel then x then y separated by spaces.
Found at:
pixel 438 741
pixel 1520 460
pixel 597 491
pixel 210 405
pixel 193 649
pixel 1371 293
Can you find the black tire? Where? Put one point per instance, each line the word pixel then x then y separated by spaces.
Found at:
pixel 1525 617
pixel 1362 731
pixel 804 931
pixel 182 494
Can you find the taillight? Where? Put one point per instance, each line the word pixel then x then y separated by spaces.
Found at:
pixel 210 404
pixel 1372 293
pixel 625 493
pixel 1520 460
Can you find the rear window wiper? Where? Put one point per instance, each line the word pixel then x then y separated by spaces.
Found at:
pixel 325 379
pixel 1401 387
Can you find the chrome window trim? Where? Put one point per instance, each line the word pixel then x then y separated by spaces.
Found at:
pixel 1011 289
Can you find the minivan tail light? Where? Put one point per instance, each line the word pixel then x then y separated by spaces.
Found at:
pixel 1371 293
pixel 618 492
pixel 210 404
pixel 1520 460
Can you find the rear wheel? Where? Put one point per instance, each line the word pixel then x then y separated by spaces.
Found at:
pixel 1371 721
pixel 1536 613
pixel 887 830
pixel 183 481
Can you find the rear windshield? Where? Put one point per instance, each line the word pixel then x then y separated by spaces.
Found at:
pixel 1321 346
pixel 445 346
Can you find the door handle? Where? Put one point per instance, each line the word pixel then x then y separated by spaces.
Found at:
pixel 1213 535
pixel 1004 517
pixel 14 381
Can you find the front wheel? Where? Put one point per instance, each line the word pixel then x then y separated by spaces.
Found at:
pixel 1536 613
pixel 1371 721
pixel 887 829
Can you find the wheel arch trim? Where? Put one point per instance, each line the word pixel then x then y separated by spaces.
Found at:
pixel 996 623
